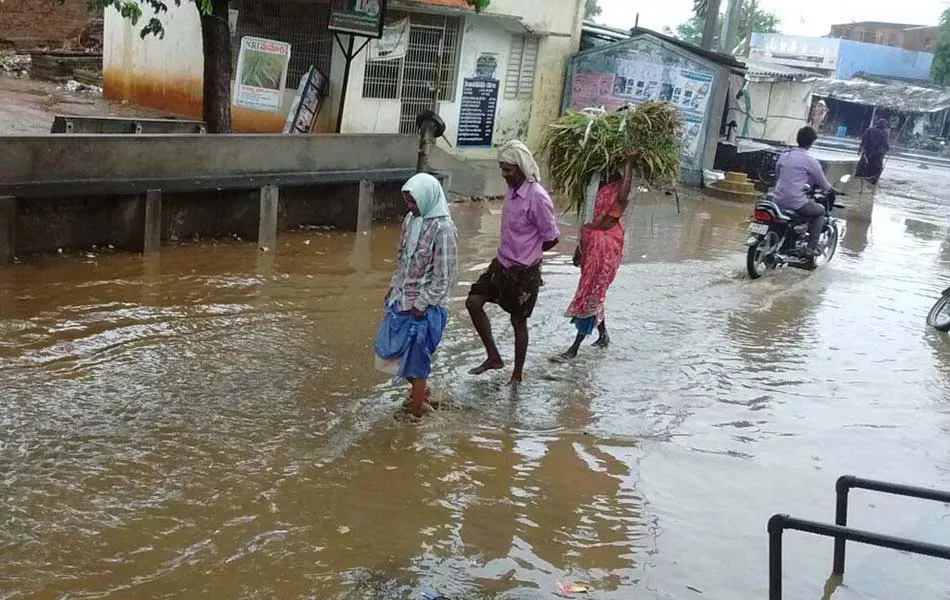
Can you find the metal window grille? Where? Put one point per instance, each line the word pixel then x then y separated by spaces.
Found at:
pixel 301 24
pixel 433 40
pixel 522 65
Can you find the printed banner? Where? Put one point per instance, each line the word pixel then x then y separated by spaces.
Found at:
pixel 477 112
pixel 394 43
pixel 310 94
pixel 358 17
pixel 594 90
pixel 261 74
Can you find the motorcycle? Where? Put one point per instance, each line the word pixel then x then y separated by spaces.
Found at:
pixel 778 237
pixel 939 315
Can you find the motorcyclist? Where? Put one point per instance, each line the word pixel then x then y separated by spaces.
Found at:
pixel 796 171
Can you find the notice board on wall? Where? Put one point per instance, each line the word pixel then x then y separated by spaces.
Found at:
pixel 477 112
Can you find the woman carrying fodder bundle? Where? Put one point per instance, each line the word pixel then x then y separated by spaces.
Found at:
pixel 599 254
pixel 585 146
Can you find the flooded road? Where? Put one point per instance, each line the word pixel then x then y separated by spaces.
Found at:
pixel 209 424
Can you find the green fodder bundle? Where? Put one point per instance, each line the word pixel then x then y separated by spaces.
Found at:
pixel 581 144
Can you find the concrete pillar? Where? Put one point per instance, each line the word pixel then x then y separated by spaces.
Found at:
pixel 367 199
pixel 859 207
pixel 153 222
pixel 267 226
pixel 7 229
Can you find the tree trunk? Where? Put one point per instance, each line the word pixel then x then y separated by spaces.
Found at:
pixel 216 45
pixel 709 28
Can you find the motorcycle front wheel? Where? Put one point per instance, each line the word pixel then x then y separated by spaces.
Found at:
pixel 827 245
pixel 939 315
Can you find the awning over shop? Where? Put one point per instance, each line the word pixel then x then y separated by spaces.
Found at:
pixel 511 23
pixel 907 99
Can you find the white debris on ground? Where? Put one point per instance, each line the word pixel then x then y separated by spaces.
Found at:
pixel 16 65
pixel 76 87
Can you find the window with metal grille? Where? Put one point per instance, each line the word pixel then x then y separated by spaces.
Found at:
pixel 413 78
pixel 302 24
pixel 522 64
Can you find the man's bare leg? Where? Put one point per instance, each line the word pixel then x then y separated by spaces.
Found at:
pixel 520 325
pixel 476 310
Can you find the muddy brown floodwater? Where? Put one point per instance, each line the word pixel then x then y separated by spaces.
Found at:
pixel 209 425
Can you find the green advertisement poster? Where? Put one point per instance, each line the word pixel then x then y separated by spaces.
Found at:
pixel 358 17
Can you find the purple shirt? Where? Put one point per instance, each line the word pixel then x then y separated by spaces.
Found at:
pixel 527 221
pixel 796 170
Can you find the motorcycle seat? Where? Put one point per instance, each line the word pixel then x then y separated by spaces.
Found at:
pixel 782 213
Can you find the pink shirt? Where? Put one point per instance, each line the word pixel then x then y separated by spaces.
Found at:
pixel 527 221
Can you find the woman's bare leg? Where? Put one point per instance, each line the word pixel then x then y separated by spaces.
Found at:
pixel 603 340
pixel 417 400
pixel 571 352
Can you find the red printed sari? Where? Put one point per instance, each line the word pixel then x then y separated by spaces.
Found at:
pixel 602 252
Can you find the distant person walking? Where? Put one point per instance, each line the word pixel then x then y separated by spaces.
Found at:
pixel 818 115
pixel 513 280
pixel 426 268
pixel 874 147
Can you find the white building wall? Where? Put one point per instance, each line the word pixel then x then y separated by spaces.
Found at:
pixel 479 36
pixel 796 51
pixel 553 17
pixel 167 73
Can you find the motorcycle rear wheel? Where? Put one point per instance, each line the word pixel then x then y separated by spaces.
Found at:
pixel 759 259
pixel 939 315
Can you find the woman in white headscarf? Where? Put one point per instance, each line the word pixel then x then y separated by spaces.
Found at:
pixel 426 268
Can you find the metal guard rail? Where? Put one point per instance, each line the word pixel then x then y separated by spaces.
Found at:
pixel 779 523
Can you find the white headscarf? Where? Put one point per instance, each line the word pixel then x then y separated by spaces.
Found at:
pixel 427 192
pixel 516 153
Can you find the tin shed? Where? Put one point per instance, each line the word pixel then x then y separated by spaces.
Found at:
pixel 652 66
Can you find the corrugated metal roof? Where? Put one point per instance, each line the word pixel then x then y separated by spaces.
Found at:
pixel 612 33
pixel 900 98
pixel 766 70
pixel 726 60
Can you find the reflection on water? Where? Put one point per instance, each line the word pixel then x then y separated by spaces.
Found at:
pixel 208 423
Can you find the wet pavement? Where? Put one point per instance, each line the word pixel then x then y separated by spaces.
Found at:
pixel 209 424
pixel 28 106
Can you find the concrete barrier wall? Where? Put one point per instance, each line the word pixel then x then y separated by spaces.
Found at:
pixel 858 208
pixel 82 211
pixel 102 157
pixel 47 224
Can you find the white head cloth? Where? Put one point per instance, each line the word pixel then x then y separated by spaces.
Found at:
pixel 516 153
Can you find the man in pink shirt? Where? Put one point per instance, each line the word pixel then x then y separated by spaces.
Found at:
pixel 512 281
